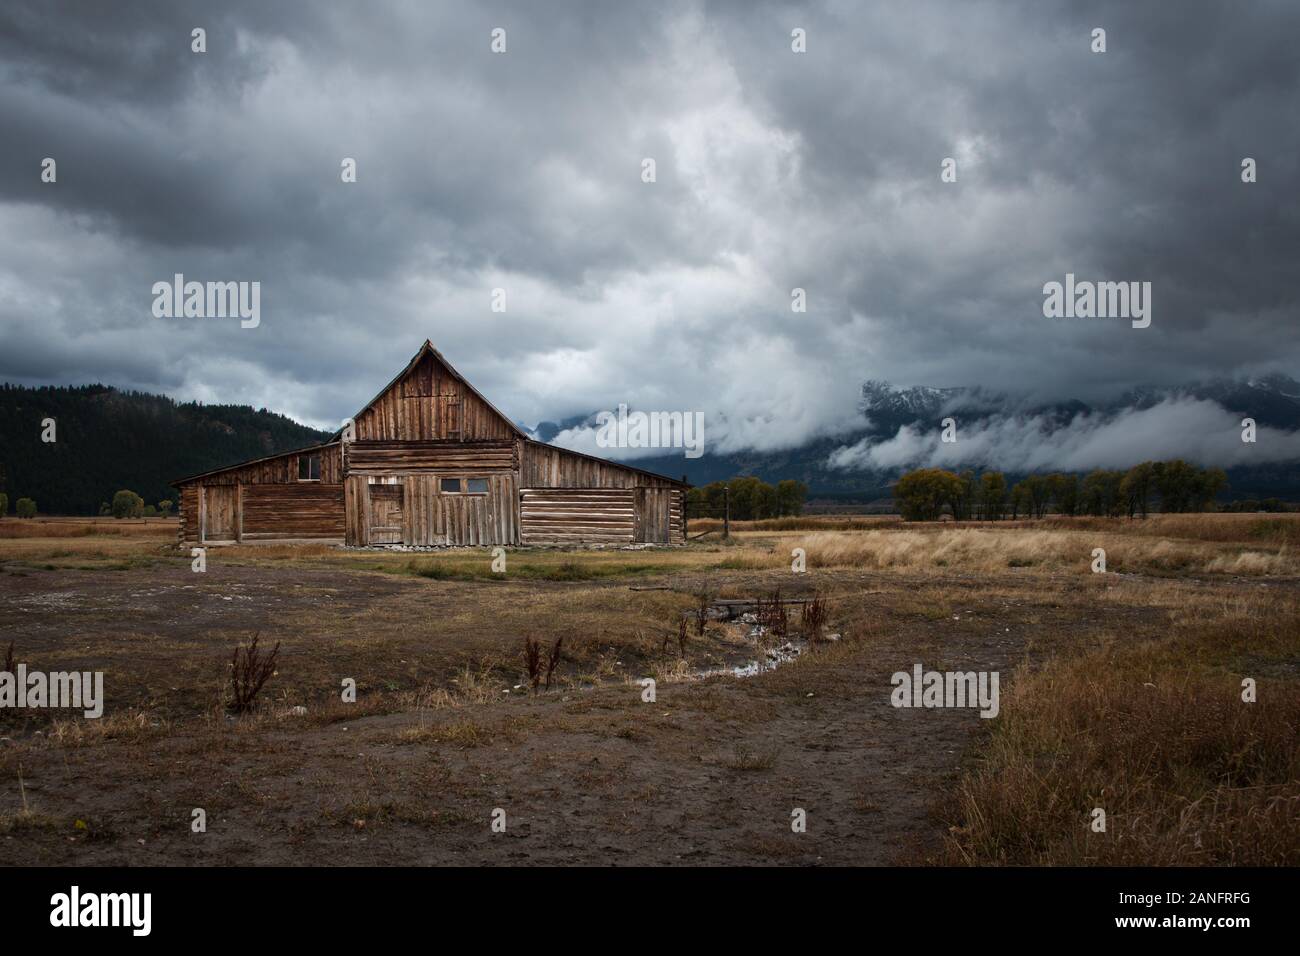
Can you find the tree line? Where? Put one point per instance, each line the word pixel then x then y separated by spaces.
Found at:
pixel 747 499
pixel 126 504
pixel 104 439
pixel 928 493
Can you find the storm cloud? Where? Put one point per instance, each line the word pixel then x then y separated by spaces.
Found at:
pixel 775 170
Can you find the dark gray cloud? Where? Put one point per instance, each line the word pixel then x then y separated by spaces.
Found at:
pixel 522 171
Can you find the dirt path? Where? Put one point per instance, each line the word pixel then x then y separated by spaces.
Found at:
pixel 708 773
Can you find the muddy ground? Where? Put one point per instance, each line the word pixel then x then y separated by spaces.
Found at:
pixel 589 773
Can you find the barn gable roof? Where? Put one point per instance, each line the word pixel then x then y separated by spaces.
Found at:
pixel 425 350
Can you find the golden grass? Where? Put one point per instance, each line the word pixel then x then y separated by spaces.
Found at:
pixel 159 528
pixel 1156 734
pixel 994 550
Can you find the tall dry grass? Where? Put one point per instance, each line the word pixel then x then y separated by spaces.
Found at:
pixel 1157 735
pixel 994 550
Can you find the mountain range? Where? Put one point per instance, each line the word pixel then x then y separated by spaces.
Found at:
pixel 109 439
pixel 847 466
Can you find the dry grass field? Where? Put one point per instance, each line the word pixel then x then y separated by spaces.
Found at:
pixel 1120 691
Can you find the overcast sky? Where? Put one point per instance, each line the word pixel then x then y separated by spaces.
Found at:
pixel 523 171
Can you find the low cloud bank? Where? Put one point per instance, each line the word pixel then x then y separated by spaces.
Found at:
pixel 1194 429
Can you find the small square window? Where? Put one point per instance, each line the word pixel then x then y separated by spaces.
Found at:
pixel 309 467
pixel 450 485
pixel 476 486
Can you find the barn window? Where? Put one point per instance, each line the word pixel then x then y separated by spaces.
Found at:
pixel 450 485
pixel 476 486
pixel 309 467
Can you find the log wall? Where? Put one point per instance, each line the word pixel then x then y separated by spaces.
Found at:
pixel 545 466
pixel 577 516
pixel 453 458
pixel 300 510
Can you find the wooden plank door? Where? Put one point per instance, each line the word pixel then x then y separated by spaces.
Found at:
pixel 386 505
pixel 653 506
pixel 221 520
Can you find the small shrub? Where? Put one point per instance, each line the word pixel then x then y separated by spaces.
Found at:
pixel 553 660
pixel 533 661
pixel 4 504
pixel 771 614
pixel 25 508
pixel 813 617
pixel 702 613
pixel 249 670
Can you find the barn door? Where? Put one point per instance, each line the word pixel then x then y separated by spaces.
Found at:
pixel 220 518
pixel 386 506
pixel 653 506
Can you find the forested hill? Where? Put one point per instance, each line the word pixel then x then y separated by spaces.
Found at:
pixel 108 440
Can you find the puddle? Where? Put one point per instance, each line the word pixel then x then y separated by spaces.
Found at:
pixel 773 658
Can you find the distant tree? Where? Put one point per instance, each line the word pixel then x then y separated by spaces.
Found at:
pixel 1039 494
pixel 922 494
pixel 105 509
pixel 966 497
pixel 1064 490
pixel 1208 485
pixel 993 495
pixel 1019 500
pixel 165 506
pixel 127 504
pixel 25 508
pixel 150 511
pixel 4 504
pixel 1135 488
pixel 1177 483
pixel 744 497
pixel 790 496
pixel 715 496
pixel 1100 495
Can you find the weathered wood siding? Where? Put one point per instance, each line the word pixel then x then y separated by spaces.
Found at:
pixel 265 499
pixel 189 513
pixel 414 457
pixel 427 516
pixel 300 510
pixel 442 518
pixel 578 516
pixel 659 516
pixel 545 466
pixel 430 403
pixel 280 469
pixel 219 517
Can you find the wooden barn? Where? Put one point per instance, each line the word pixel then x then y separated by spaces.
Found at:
pixel 430 461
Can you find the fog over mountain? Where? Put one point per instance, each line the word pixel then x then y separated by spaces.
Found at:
pixel 898 429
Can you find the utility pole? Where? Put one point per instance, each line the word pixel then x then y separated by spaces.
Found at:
pixel 726 511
